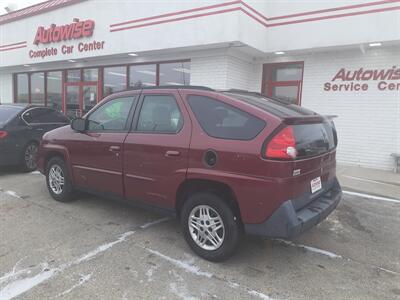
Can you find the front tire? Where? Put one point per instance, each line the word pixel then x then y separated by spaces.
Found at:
pixel 210 226
pixel 58 180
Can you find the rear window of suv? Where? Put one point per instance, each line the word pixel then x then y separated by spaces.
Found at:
pixel 224 121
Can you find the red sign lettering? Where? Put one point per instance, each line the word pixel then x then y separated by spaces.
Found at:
pixel 76 30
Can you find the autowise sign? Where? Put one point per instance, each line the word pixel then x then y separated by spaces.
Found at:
pixel 347 80
pixel 63 33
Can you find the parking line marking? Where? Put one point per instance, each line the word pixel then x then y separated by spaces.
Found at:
pixel 196 271
pixel 81 281
pixel 19 286
pixel 147 225
pixel 10 193
pixel 309 248
pixel 368 196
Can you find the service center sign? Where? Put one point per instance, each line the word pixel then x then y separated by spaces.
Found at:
pixel 73 31
pixel 360 80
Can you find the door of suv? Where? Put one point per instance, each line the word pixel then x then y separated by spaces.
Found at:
pixel 97 154
pixel 156 149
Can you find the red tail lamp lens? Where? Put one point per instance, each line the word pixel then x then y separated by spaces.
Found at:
pixel 282 145
pixel 3 134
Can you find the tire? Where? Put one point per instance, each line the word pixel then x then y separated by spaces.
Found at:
pixel 58 180
pixel 225 239
pixel 28 157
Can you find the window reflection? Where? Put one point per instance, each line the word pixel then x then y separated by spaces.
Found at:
pixel 175 73
pixel 90 74
pixel 142 75
pixel 114 80
pixel 54 90
pixel 74 75
pixel 22 88
pixel 37 88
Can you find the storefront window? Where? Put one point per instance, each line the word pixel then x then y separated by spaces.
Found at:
pixel 74 75
pixel 175 73
pixel 90 74
pixel 114 80
pixel 37 88
pixel 22 88
pixel 54 90
pixel 142 75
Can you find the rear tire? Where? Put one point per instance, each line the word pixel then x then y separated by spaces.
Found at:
pixel 210 226
pixel 58 180
pixel 28 157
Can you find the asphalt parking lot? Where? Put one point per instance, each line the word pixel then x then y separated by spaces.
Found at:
pixel 99 249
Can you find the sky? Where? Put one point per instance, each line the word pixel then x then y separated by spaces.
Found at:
pixel 17 4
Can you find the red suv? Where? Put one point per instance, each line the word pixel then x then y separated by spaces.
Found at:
pixel 223 162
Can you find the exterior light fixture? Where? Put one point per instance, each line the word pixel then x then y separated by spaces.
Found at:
pixel 132 54
pixel 279 52
pixel 375 44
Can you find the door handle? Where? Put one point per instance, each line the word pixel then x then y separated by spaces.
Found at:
pixel 114 148
pixel 170 153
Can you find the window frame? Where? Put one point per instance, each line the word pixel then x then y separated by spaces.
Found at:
pixel 268 83
pixel 39 107
pixel 135 122
pixel 100 82
pixel 128 120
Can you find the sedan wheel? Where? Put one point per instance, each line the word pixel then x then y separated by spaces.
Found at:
pixel 30 156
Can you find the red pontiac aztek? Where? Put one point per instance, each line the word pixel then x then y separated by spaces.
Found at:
pixel 224 162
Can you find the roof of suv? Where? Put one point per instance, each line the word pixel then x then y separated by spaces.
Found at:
pixel 277 107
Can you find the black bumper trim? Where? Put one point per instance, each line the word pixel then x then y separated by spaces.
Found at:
pixel 286 222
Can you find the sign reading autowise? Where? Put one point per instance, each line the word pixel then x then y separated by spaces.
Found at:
pixel 361 79
pixel 55 34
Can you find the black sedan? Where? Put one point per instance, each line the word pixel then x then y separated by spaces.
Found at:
pixel 21 129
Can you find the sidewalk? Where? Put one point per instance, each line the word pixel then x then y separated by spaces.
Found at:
pixel 369 181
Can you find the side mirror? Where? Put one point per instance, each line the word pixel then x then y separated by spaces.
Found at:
pixel 78 124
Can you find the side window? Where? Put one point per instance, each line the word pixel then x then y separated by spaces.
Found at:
pixel 160 113
pixel 112 116
pixel 43 116
pixel 224 121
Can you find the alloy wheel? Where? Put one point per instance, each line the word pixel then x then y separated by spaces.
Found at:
pixel 56 179
pixel 30 156
pixel 206 227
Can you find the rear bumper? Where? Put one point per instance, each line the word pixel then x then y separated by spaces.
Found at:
pixel 286 222
pixel 8 158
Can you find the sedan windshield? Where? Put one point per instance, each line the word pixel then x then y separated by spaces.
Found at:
pixel 7 113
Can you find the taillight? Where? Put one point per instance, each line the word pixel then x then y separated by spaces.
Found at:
pixel 282 145
pixel 3 134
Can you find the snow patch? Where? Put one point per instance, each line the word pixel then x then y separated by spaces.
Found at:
pixel 259 295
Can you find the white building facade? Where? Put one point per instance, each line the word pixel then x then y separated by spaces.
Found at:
pixel 335 57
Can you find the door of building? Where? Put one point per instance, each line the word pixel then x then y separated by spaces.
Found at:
pixel 79 98
pixel 283 81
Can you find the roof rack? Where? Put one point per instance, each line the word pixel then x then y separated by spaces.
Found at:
pixel 162 87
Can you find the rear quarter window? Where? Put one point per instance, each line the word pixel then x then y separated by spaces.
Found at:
pixel 224 121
